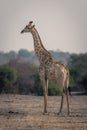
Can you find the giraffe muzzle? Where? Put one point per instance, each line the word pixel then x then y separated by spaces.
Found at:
pixel 22 31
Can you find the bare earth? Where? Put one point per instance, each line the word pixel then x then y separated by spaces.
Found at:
pixel 20 112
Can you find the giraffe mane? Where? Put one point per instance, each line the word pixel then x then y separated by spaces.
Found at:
pixel 48 53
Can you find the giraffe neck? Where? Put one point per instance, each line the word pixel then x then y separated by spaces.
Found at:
pixel 40 51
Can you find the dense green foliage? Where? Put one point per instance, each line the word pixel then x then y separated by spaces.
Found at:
pixel 53 89
pixel 78 70
pixel 7 76
pixel 28 80
pixel 26 75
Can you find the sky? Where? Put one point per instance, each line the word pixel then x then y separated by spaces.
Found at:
pixel 62 24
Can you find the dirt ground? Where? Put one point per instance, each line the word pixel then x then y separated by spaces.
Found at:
pixel 21 112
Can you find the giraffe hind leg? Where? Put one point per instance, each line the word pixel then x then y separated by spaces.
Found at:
pixel 61 105
pixel 67 98
pixel 66 91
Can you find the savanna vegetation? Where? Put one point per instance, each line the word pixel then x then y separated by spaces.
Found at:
pixel 19 72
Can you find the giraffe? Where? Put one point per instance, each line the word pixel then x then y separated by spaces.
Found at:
pixel 49 68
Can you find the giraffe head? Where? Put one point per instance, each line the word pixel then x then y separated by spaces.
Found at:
pixel 28 28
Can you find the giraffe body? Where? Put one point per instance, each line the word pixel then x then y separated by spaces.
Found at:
pixel 49 68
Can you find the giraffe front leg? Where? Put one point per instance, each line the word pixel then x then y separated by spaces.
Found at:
pixel 45 101
pixel 45 92
pixel 44 82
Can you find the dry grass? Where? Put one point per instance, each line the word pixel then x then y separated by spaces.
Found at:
pixel 20 112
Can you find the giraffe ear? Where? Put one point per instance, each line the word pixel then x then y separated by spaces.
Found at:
pixel 30 22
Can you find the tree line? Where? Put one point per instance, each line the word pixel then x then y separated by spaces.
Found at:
pixel 20 75
pixel 29 56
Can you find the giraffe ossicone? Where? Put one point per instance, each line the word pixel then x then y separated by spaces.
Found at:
pixel 49 68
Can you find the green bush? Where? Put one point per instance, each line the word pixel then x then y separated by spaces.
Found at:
pixel 78 71
pixel 83 82
pixel 39 90
pixel 7 76
pixel 53 89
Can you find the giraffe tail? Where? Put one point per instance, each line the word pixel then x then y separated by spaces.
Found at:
pixel 67 87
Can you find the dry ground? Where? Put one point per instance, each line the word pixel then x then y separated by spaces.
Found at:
pixel 20 112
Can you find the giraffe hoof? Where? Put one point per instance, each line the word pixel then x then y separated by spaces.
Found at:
pixel 45 113
pixel 59 113
pixel 68 114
